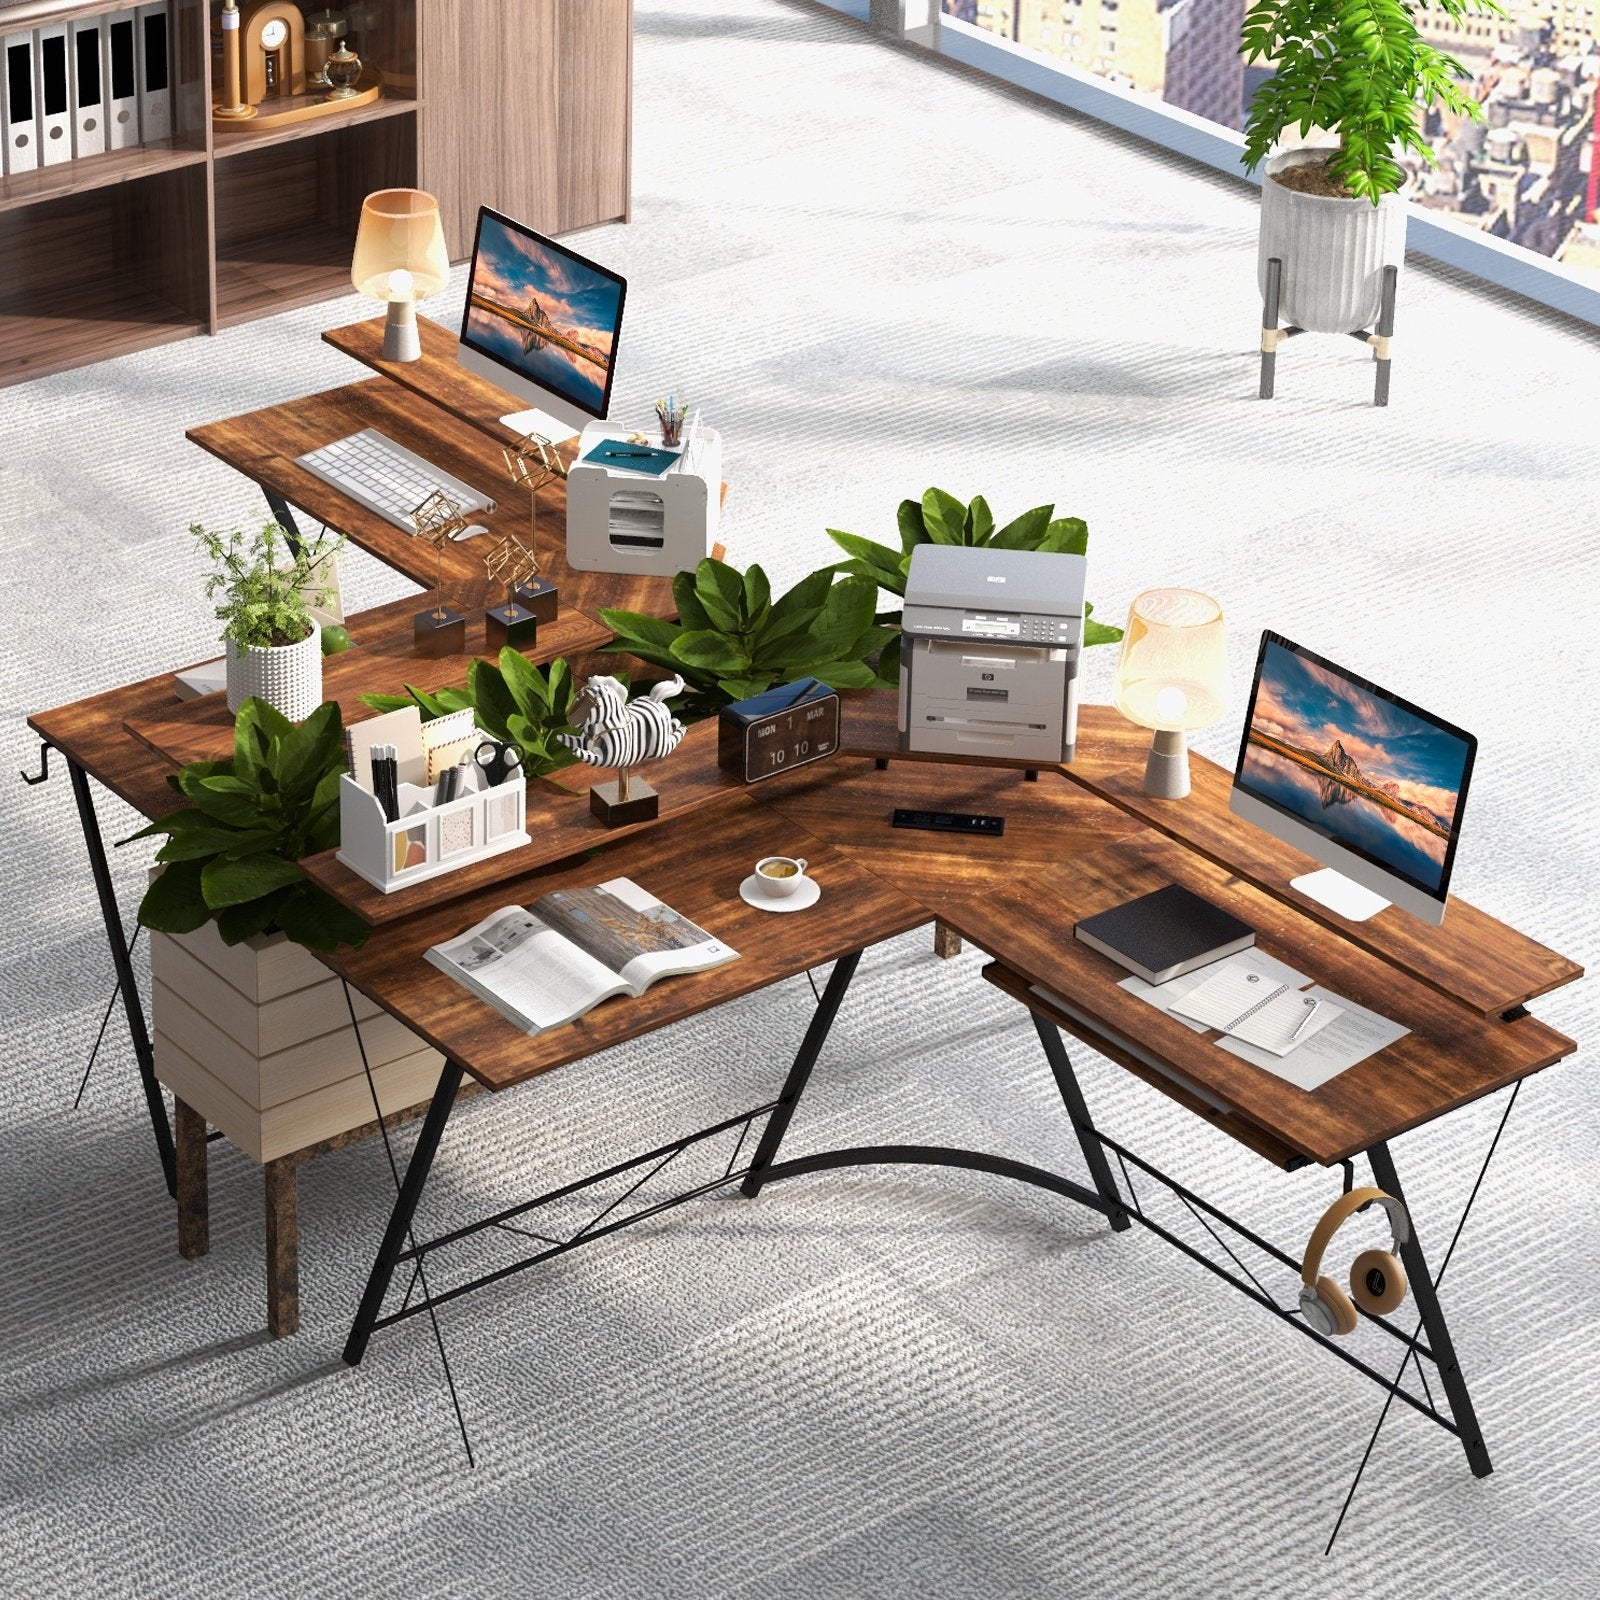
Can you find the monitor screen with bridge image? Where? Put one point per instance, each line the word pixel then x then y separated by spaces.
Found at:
pixel 1361 780
pixel 541 322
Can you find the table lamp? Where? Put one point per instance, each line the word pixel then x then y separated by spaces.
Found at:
pixel 400 257
pixel 1172 677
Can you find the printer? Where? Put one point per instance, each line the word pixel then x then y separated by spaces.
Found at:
pixel 989 652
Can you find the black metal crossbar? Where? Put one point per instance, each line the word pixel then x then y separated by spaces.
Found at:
pixel 595 1228
pixel 662 1155
pixel 1264 1245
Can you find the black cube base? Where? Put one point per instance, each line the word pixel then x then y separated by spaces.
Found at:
pixel 538 596
pixel 510 624
pixel 642 805
pixel 439 631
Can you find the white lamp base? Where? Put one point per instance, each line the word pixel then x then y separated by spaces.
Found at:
pixel 1341 895
pixel 1166 772
pixel 400 339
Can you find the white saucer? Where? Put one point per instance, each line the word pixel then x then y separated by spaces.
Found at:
pixel 751 892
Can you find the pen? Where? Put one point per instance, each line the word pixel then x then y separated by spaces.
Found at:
pixel 1299 1027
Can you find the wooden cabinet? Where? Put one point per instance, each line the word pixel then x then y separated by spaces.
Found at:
pixel 536 121
pixel 519 104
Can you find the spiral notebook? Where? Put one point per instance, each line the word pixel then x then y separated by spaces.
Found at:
pixel 1251 1007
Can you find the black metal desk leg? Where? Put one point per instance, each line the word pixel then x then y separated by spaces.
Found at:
pixel 122 961
pixel 405 1206
pixel 1422 1291
pixel 284 517
pixel 1077 1109
pixel 844 969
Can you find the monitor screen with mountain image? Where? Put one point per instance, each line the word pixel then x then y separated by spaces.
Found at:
pixel 542 322
pixel 1361 780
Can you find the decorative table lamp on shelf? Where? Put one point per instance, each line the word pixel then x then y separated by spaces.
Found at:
pixel 1172 677
pixel 400 258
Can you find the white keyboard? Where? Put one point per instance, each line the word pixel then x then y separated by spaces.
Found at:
pixel 387 478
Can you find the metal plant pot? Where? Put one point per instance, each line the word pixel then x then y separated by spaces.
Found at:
pixel 1333 251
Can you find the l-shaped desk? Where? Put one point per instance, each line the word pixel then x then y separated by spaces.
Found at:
pixel 1079 839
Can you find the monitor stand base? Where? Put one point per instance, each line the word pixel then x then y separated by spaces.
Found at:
pixel 1340 894
pixel 542 423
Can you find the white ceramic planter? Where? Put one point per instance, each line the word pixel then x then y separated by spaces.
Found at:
pixel 288 677
pixel 1333 251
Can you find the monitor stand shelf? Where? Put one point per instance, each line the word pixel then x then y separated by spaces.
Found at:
pixel 440 379
pixel 1473 959
pixel 437 376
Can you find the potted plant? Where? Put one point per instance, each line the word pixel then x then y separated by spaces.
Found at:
pixel 1335 216
pixel 940 518
pixel 514 700
pixel 251 1031
pixel 231 855
pixel 733 640
pixel 269 587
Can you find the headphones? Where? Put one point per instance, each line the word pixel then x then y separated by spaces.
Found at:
pixel 1377 1280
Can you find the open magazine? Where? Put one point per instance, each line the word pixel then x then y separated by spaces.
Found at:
pixel 544 964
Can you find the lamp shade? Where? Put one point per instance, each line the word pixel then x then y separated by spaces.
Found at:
pixel 400 250
pixel 1173 671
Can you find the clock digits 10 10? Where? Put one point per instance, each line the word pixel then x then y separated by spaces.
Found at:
pixel 784 728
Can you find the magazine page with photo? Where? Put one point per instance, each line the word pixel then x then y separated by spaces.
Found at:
pixel 546 964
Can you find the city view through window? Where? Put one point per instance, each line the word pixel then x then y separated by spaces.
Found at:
pixel 1528 173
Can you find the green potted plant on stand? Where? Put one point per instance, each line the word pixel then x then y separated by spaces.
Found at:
pixel 1333 216
pixel 268 588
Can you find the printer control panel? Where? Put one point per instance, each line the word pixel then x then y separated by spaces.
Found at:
pixel 1023 629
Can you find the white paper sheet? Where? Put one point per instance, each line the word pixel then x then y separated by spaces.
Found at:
pixel 1351 1037
pixel 1164 995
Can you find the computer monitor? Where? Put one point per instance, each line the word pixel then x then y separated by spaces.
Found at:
pixel 1361 780
pixel 542 322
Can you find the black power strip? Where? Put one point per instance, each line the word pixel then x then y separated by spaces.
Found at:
pixel 950 822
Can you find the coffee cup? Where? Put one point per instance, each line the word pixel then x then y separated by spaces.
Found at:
pixel 780 876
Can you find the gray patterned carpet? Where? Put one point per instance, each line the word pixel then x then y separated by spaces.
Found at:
pixel 876 274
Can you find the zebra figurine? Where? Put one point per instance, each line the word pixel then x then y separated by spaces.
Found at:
pixel 620 733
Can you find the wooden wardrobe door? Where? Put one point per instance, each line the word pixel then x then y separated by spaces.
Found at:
pixel 594 104
pixel 489 114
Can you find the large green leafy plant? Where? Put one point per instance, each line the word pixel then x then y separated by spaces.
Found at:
pixel 1358 68
pixel 940 518
pixel 268 586
pixel 514 700
pixel 231 853
pixel 733 640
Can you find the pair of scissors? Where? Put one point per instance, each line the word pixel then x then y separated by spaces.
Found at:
pixel 498 760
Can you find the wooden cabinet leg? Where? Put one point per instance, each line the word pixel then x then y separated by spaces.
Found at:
pixel 283 1247
pixel 946 942
pixel 194 1194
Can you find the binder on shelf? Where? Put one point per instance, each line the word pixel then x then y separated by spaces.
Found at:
pixel 121 78
pixel 52 85
pixel 88 92
pixel 21 152
pixel 155 74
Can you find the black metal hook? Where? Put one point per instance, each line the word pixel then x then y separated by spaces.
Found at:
pixel 43 775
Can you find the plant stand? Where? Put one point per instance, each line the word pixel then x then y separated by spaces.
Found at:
pixel 1272 335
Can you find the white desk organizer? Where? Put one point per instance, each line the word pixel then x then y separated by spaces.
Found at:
pixel 429 840
pixel 634 522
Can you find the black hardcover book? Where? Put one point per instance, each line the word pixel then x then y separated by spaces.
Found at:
pixel 1165 934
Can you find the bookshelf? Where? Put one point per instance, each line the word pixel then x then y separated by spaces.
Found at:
pixel 525 107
